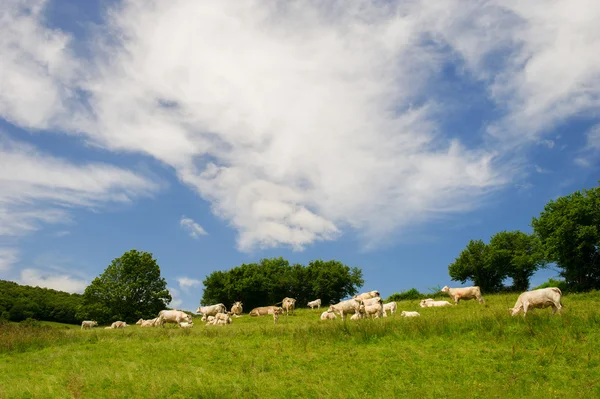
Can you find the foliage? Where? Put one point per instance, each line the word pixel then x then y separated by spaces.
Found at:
pixel 569 229
pixel 509 254
pixel 493 354
pixel 130 288
pixel 554 283
pixel 271 280
pixel 19 302
pixel 411 294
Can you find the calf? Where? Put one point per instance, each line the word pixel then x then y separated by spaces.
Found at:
pixel 391 306
pixel 88 324
pixel 220 319
pixel 430 303
pixel 185 324
pixel 409 314
pixel 316 302
pixel 327 315
pixel 276 312
pixel 374 309
pixel 466 293
pixel 542 298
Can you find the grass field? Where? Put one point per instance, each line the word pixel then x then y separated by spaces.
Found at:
pixel 467 351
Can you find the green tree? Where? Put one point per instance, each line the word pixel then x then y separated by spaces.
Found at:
pixel 569 229
pixel 475 263
pixel 130 288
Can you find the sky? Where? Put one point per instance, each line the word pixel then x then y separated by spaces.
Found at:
pixel 384 134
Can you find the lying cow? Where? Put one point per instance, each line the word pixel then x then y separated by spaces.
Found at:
pixel 211 310
pixel 262 310
pixel 409 314
pixel 316 302
pixel 147 323
pixel 466 293
pixel 391 306
pixel 172 316
pixel 327 315
pixel 288 304
pixel 220 319
pixel 88 324
pixel 350 306
pixel 542 298
pixel 185 324
pixel 118 324
pixel 236 309
pixel 367 295
pixel 430 303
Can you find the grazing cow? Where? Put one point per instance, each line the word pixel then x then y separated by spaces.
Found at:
pixel 466 293
pixel 350 306
pixel 185 324
pixel 391 306
pixel 367 295
pixel 430 303
pixel 88 324
pixel 172 316
pixel 276 312
pixel 409 314
pixel 220 319
pixel 211 310
pixel 327 315
pixel 316 302
pixel 262 310
pixel 118 324
pixel 236 309
pixel 288 304
pixel 374 309
pixel 542 298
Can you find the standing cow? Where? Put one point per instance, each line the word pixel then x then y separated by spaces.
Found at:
pixel 172 316
pixel 288 304
pixel 542 298
pixel 88 324
pixel 211 310
pixel 316 302
pixel 466 293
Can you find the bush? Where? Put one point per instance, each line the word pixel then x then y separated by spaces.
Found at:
pixel 412 294
pixel 561 284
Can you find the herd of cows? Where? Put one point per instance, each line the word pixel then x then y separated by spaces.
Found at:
pixel 365 305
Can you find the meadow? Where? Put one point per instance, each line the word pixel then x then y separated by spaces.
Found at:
pixel 466 351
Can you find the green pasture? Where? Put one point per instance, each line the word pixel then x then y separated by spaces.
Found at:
pixel 466 351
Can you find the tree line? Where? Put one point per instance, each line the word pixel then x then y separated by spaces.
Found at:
pixel 566 234
pixel 270 280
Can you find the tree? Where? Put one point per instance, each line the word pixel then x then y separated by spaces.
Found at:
pixel 130 288
pixel 270 280
pixel 569 229
pixel 474 263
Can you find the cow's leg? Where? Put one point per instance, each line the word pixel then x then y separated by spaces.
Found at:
pixel 525 308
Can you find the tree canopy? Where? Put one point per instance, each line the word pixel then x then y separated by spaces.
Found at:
pixel 270 280
pixel 130 288
pixel 511 254
pixel 569 229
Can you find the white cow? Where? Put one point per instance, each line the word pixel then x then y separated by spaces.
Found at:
pixel 236 309
pixel 88 324
pixel 466 293
pixel 220 319
pixel 288 304
pixel 118 324
pixel 172 316
pixel 327 315
pixel 391 306
pixel 350 306
pixel 185 324
pixel 542 298
pixel 150 322
pixel 409 314
pixel 367 295
pixel 374 309
pixel 316 302
pixel 211 310
pixel 276 312
pixel 262 310
pixel 430 303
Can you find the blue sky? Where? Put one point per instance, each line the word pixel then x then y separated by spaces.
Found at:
pixel 385 135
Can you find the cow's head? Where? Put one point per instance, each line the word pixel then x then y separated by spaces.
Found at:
pixel 445 289
pixel 94 323
pixel 403 313
pixel 514 311
pixel 199 310
pixel 140 321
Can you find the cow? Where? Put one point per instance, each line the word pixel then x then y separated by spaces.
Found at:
pixel 466 293
pixel 172 316
pixel 391 306
pixel 288 304
pixel 327 315
pixel 541 298
pixel 88 324
pixel 374 309
pixel 236 309
pixel 118 324
pixel 350 306
pixel 210 318
pixel 276 312
pixel 262 310
pixel 316 302
pixel 367 295
pixel 409 314
pixel 149 323
pixel 211 310
pixel 430 303
pixel 220 319
pixel 185 324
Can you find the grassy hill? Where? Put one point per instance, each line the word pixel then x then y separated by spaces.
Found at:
pixel 466 351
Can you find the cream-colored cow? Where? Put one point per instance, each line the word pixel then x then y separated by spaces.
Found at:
pixel 391 306
pixel 409 314
pixel 465 293
pixel 541 298
pixel 327 315
pixel 316 302
pixel 236 309
pixel 367 295
pixel 350 306
pixel 430 303
pixel 262 310
pixel 288 304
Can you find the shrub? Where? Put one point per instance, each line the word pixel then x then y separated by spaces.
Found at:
pixel 412 294
pixel 561 284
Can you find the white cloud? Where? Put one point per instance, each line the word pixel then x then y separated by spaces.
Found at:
pixel 175 300
pixel 541 170
pixel 193 228
pixel 8 257
pixel 187 283
pixel 60 282
pixel 39 188
pixel 302 121
pixel 588 156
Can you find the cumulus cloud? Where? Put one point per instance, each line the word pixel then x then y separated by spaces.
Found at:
pixel 56 281
pixel 186 282
pixel 300 121
pixel 8 257
pixel 193 228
